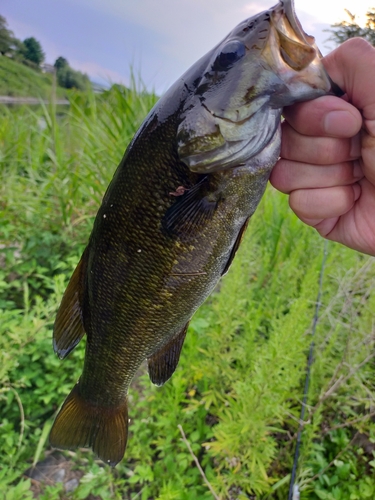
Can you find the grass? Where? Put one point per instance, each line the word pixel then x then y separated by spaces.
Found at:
pixel 18 80
pixel 238 388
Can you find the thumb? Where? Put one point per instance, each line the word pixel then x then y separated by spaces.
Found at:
pixel 352 67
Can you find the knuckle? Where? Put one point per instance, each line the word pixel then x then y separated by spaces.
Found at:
pixel 357 44
pixel 346 199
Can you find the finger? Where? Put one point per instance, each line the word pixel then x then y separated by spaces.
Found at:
pixel 368 156
pixel 288 175
pixel 323 226
pixel 356 228
pixel 326 116
pixel 352 67
pixel 318 150
pixel 324 203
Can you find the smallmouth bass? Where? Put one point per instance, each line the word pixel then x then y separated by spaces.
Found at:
pixel 173 217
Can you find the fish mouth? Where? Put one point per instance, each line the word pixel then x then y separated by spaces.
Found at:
pixel 289 24
pixel 290 27
pixel 297 49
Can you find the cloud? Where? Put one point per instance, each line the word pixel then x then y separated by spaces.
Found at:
pixel 98 72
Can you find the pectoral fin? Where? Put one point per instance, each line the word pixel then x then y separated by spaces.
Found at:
pixel 190 211
pixel 163 363
pixel 68 329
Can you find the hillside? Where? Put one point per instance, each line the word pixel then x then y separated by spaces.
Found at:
pixel 18 80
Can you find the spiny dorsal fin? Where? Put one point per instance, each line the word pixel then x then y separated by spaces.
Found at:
pixel 80 423
pixel 163 363
pixel 68 329
pixel 190 211
pixel 235 246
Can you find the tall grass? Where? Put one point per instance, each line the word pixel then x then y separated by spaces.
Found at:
pixel 238 388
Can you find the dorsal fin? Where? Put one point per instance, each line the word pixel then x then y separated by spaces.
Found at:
pixel 68 329
pixel 235 246
pixel 163 363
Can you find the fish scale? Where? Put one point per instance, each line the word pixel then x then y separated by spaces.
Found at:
pixel 173 218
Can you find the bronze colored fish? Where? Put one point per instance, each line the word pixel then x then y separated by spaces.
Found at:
pixel 173 217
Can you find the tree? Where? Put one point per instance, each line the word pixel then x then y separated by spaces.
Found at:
pixel 341 32
pixel 6 37
pixel 33 51
pixel 68 78
pixel 61 63
pixel 17 50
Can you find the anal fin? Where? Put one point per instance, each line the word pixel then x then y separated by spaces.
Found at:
pixel 80 423
pixel 163 363
pixel 68 328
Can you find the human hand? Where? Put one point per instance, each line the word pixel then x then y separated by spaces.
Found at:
pixel 327 163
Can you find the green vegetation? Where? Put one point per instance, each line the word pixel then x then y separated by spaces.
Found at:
pixel 344 30
pixel 33 51
pixel 238 388
pixel 68 78
pixel 30 53
pixel 18 80
pixel 6 37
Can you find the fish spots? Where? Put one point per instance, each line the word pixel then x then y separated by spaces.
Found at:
pixel 250 94
pixel 249 27
pixel 104 216
pixel 139 250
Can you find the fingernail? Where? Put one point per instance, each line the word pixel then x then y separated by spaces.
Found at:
pixel 339 124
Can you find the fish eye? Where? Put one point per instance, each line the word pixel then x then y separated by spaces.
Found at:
pixel 231 53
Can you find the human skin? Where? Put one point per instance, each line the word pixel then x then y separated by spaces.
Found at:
pixel 327 159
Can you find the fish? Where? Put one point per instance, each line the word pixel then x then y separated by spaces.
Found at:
pixel 173 217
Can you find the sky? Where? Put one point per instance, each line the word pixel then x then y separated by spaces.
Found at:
pixel 160 39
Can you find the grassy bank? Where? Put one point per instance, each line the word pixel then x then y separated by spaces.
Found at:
pixel 18 80
pixel 238 388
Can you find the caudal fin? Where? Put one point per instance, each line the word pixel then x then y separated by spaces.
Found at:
pixel 82 424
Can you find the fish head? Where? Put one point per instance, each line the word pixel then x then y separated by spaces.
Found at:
pixel 234 105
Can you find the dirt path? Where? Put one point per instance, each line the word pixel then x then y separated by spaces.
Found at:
pixel 4 99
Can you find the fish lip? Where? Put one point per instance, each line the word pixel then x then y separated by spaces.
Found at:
pixel 286 7
pixel 336 90
pixel 289 10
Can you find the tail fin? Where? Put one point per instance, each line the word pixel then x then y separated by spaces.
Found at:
pixel 82 424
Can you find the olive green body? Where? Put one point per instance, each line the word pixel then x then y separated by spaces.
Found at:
pixel 144 282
